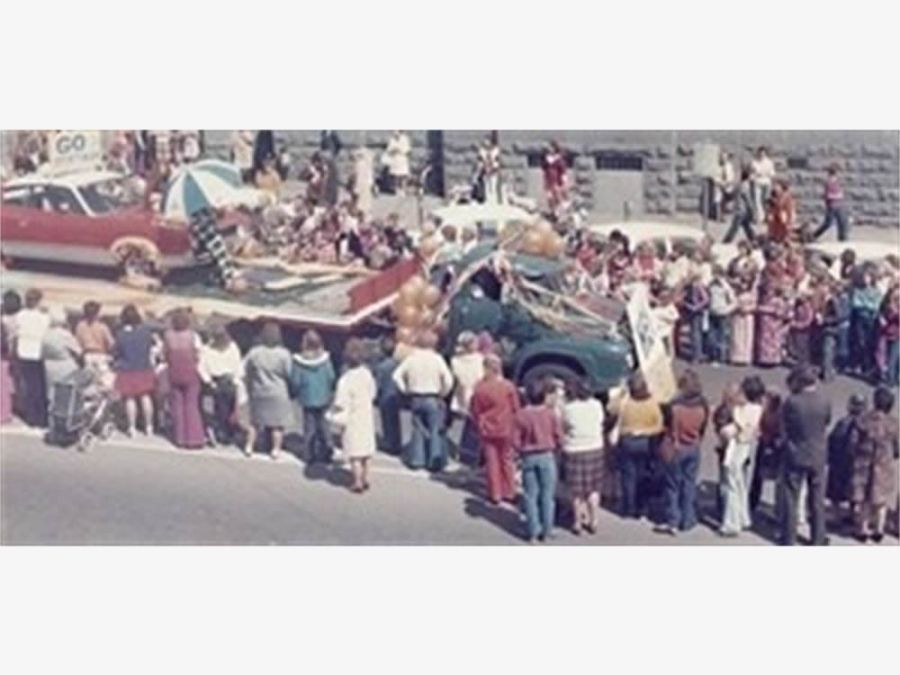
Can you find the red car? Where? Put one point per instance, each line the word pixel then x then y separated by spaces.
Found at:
pixel 88 219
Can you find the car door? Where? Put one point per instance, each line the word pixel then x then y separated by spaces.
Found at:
pixel 18 221
pixel 69 228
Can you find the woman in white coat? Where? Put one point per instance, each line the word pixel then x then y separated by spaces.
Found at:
pixel 354 413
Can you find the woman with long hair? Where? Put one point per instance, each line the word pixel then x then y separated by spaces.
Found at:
pixel 640 424
pixel 222 371
pixel 739 458
pixel 182 354
pixel 135 378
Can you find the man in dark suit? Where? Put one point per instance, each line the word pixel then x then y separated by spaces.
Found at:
pixel 807 414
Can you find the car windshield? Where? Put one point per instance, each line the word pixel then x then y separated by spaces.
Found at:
pixel 108 195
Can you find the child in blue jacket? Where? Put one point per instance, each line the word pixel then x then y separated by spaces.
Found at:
pixel 313 385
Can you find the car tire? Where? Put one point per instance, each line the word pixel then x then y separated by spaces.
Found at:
pixel 136 257
pixel 540 371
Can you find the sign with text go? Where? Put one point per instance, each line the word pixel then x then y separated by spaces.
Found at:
pixel 75 150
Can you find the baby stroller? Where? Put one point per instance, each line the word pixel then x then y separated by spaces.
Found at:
pixel 80 411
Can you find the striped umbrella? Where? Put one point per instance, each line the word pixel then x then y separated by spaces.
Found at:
pixel 209 183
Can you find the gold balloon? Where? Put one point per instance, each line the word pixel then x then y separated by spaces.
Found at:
pixel 532 242
pixel 409 316
pixel 426 318
pixel 544 227
pixel 398 305
pixel 428 246
pixel 554 245
pixel 431 296
pixel 409 292
pixel 406 335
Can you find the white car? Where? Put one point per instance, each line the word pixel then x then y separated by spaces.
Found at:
pixel 664 236
pixel 89 193
pixel 492 217
pixel 829 252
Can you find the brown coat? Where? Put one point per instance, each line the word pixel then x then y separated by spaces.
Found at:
pixel 874 459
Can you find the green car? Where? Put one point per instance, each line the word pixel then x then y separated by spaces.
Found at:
pixel 523 305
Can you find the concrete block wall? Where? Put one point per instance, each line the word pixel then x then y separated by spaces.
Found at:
pixel 870 162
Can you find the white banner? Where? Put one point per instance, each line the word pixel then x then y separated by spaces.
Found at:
pixel 706 160
pixel 73 151
pixel 654 361
pixel 648 342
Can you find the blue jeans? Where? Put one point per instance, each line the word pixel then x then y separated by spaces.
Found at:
pixel 539 492
pixel 696 328
pixel 633 457
pixel 391 438
pixel 834 212
pixel 892 374
pixel 829 356
pixel 863 342
pixel 740 221
pixel 681 489
pixel 427 448
pixel 718 338
pixel 317 435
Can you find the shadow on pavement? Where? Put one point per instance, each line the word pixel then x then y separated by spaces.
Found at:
pixel 504 517
pixel 333 474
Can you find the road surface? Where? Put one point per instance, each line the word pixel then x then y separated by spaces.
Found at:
pixel 140 491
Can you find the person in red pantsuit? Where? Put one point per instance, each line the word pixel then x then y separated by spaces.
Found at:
pixel 493 407
pixel 182 349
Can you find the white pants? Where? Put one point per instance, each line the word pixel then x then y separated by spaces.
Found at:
pixel 736 475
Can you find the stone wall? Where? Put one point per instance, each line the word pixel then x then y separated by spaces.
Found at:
pixel 870 161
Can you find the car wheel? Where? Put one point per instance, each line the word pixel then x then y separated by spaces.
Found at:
pixel 136 257
pixel 541 371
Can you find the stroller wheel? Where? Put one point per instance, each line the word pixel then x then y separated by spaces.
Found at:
pixel 86 442
pixel 107 430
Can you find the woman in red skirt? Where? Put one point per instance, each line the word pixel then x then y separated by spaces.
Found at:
pixel 135 379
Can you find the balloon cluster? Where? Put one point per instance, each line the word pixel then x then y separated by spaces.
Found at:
pixel 414 308
pixel 428 246
pixel 542 240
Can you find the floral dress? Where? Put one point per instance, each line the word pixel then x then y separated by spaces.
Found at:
pixel 772 315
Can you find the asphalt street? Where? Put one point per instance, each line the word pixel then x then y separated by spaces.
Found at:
pixel 140 491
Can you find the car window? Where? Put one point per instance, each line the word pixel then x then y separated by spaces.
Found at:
pixel 63 200
pixel 18 196
pixel 106 196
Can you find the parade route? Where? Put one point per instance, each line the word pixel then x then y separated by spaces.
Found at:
pixel 145 492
